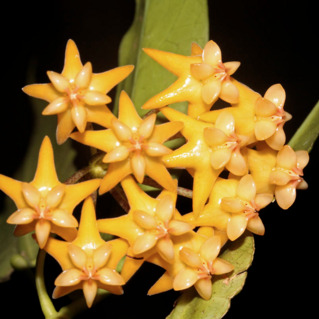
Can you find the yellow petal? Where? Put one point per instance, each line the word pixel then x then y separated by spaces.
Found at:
pixel 69 277
pixel 59 82
pixel 89 291
pixel 177 228
pixel 232 204
pixel 196 49
pixel 279 178
pixel 214 136
pixel 79 117
pixel 77 256
pixel 42 231
pixel 190 258
pixel 231 67
pixel 166 249
pixel 229 92
pixel 246 188
pixel 237 163
pixel 220 157
pixel 212 53
pixel 95 98
pixel 256 226
pixel 101 255
pixel 185 279
pixel 58 105
pixel 144 220
pixel 121 130
pixel 204 288
pixel 277 140
pixel 264 107
pixel 144 243
pixel 276 94
pixel 225 122
pixel 221 266
pixel 262 200
pixel 264 129
pixel 21 217
pixel 302 158
pixel 286 157
pixel 118 154
pixel 111 277
pixel 236 226
pixel 201 71
pixel 147 126
pixel 72 61
pixel 55 196
pixel 210 248
pixel 165 208
pixel 63 219
pixel 65 126
pixel 138 166
pixel 210 91
pixel 285 195
pixel 83 78
pixel 156 149
pixel 31 194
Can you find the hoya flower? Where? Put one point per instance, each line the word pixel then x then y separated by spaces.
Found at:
pixel 88 262
pixel 287 175
pixel 77 95
pixel 244 208
pixel 200 267
pixel 133 146
pixel 45 204
pixel 202 79
pixel 270 117
pixel 151 226
pixel 226 144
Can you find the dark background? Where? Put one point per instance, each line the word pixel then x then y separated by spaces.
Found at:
pixel 275 42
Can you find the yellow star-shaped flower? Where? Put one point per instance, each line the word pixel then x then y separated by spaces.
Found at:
pixel 77 96
pixel 88 262
pixel 133 146
pixel 194 155
pixel 151 226
pixel 45 204
pixel 202 79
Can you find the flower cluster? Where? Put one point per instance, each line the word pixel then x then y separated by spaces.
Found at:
pixel 236 157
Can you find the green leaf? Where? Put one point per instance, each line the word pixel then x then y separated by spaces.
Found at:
pixel 21 252
pixel 168 25
pixel 307 133
pixel 190 306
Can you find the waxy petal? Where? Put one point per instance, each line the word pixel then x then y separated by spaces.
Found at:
pixel 277 140
pixel 101 255
pixel 256 226
pixel 210 91
pixel 157 150
pixel 232 205
pixel 286 157
pixel 42 231
pixel 165 208
pixel 79 117
pixel 59 82
pixel 204 288
pixel 264 129
pixel 210 248
pixel 236 226
pixel 55 196
pixel 57 106
pixel 302 158
pixel 247 188
pixel 147 126
pixel 144 243
pixel 90 290
pixel 116 155
pixel 229 92
pixel 69 277
pixel 237 163
pixel 211 53
pixel 201 71
pixel 95 98
pixel 63 219
pixel 21 217
pixel 221 266
pixel 177 227
pixel 77 256
pixel 138 166
pixel 166 249
pixel 214 136
pixel 111 277
pixel 225 122
pixel 285 195
pixel 276 94
pixel 278 177
pixel 264 107
pixel 220 157
pixel 185 279
pixel 144 220
pixel 83 78
pixel 31 194
pixel 190 258
pixel 231 67
pixel 121 130
pixel 262 200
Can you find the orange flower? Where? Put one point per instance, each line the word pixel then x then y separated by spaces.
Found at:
pixel 287 175
pixel 271 117
pixel 200 267
pixel 88 262
pixel 77 95
pixel 202 78
pixel 45 204
pixel 133 146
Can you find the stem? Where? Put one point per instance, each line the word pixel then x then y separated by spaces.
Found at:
pixel 78 175
pixel 45 301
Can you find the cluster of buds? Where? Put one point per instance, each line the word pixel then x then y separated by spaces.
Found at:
pixel 236 157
